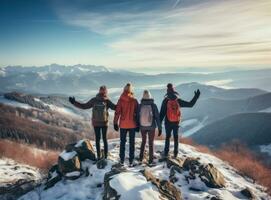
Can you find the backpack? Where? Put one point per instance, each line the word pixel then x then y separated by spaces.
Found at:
pixel 99 112
pixel 173 110
pixel 146 115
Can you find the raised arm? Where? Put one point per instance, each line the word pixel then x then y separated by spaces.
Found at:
pixel 77 104
pixel 190 103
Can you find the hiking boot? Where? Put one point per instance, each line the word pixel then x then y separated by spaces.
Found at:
pixel 132 164
pixel 151 164
pixel 121 162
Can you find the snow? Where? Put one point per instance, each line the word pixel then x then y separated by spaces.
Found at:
pixel 63 110
pixel 220 83
pixel 71 174
pixel 198 125
pixel 14 103
pixel 67 155
pixel 267 110
pixel 11 171
pixel 266 149
pixel 133 186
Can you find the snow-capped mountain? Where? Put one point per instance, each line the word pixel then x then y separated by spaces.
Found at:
pixel 180 178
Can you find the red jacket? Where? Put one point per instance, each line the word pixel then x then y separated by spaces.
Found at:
pixel 126 111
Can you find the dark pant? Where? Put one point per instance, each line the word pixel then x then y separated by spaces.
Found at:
pixel 144 134
pixel 98 131
pixel 169 129
pixel 123 134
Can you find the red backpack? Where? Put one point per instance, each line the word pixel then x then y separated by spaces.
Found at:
pixel 173 110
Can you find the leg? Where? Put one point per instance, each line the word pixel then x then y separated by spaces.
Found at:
pixel 143 143
pixel 97 131
pixel 167 142
pixel 104 132
pixel 123 133
pixel 131 145
pixel 176 140
pixel 151 139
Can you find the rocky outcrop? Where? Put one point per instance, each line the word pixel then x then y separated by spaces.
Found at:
pixel 211 176
pixel 83 148
pixel 54 176
pixel 109 192
pixel 248 193
pixel 68 163
pixel 166 188
pixel 208 174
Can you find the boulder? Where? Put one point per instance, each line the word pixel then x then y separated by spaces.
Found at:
pixel 109 192
pixel 211 176
pixel 68 162
pixel 191 164
pixel 53 177
pixel 166 188
pixel 85 150
pixel 176 164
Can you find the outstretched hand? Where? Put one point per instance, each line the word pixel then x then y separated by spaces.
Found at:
pixel 72 100
pixel 197 93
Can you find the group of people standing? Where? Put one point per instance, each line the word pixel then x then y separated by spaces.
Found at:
pixel 131 117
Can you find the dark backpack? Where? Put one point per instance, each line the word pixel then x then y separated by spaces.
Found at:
pixel 99 112
pixel 173 110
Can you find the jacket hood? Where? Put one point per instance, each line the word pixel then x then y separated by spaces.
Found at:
pixel 172 95
pixel 127 96
pixel 101 96
pixel 147 101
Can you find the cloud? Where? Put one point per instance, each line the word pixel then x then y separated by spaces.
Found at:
pixel 178 33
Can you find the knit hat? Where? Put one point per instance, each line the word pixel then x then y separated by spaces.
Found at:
pixel 146 94
pixel 170 87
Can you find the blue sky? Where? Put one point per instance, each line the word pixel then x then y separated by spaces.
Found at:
pixel 136 33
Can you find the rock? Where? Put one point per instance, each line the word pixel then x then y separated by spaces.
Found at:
pixel 248 193
pixel 16 189
pixel 211 176
pixel 191 164
pixel 166 188
pixel 109 192
pixel 53 177
pixel 85 150
pixel 101 164
pixel 176 164
pixel 68 162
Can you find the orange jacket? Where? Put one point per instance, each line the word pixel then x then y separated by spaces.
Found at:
pixel 126 111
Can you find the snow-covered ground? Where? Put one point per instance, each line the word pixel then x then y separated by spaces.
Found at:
pixel 11 171
pixel 132 185
pixel 195 125
pixel 3 100
pixel 61 110
pixel 266 149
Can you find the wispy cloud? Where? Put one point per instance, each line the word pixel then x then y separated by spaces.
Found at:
pixel 201 33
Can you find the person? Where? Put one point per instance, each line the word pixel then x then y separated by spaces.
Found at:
pixel 100 105
pixel 148 120
pixel 171 111
pixel 125 119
